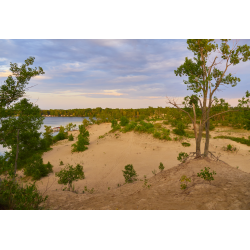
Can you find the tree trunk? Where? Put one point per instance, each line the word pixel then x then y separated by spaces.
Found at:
pixel 17 149
pixel 194 123
pixel 198 141
pixel 207 139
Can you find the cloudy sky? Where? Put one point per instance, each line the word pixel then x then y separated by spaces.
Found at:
pixel 109 73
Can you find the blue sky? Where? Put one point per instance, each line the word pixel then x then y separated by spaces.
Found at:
pixel 109 73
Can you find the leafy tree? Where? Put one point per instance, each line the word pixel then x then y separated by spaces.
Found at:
pixel 124 121
pixel 204 79
pixel 10 92
pixel 83 140
pixel 129 173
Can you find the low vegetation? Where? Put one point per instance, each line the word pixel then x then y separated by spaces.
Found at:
pixel 230 148
pixel 182 157
pixel 129 174
pixel 236 139
pixel 161 167
pixel 184 181
pixel 70 174
pixel 185 144
pixel 206 175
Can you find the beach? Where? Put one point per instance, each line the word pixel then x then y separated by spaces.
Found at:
pixel 106 157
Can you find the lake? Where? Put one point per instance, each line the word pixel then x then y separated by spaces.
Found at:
pixel 54 122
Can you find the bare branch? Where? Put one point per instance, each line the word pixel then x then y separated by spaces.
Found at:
pixel 176 105
pixel 220 114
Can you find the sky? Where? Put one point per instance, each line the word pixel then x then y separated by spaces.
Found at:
pixel 109 73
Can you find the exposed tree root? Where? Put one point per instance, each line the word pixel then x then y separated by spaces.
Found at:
pixel 210 156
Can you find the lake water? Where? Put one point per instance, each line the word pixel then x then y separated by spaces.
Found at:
pixel 54 122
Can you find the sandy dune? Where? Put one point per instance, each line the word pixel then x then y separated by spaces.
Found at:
pixel 105 159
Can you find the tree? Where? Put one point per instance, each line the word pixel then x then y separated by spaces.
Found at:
pixel 204 79
pixel 19 131
pixel 13 115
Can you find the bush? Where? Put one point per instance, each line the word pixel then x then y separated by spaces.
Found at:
pixel 70 174
pixel 114 123
pixel 145 127
pixel 129 173
pixel 161 167
pixel 61 135
pixel 230 148
pixel 157 135
pixel 71 137
pixel 186 144
pixel 129 127
pixel 80 145
pixel 236 139
pixel 14 196
pixel 124 121
pixel 182 157
pixel 85 122
pixel 180 129
pixel 206 175
pixel 61 163
pixel 186 180
pixel 36 169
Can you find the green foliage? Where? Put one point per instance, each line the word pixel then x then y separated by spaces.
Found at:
pixel 182 157
pixel 83 140
pixel 129 173
pixel 145 184
pixel 91 191
pixel 185 144
pixel 230 148
pixel 85 122
pixel 129 127
pixel 70 174
pixel 124 121
pixel 144 127
pixel 157 134
pixel 17 197
pixel 206 175
pixel 36 169
pixel 180 129
pixel 236 139
pixel 62 135
pixel 47 136
pixel 161 167
pixel 154 172
pixel 70 126
pixel 184 181
pixel 61 163
pixel 71 137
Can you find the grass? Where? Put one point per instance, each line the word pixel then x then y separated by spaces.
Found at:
pixel 236 139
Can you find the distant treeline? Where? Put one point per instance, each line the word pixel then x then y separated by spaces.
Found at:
pixel 236 119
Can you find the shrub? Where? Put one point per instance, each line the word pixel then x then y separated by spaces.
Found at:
pixel 186 144
pixel 185 180
pixel 166 122
pixel 61 163
pixel 17 197
pixel 61 135
pixel 182 157
pixel 206 175
pixel 180 129
pixel 114 123
pixel 129 173
pixel 157 125
pixel 70 174
pixel 230 148
pixel 124 121
pixel 161 167
pixel 80 145
pixel 154 172
pixel 85 122
pixel 145 184
pixel 36 169
pixel 237 139
pixel 71 137
pixel 129 127
pixel 157 135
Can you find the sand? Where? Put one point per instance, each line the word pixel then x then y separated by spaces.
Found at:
pixel 105 159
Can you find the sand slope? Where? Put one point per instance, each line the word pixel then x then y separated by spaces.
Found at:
pixel 105 159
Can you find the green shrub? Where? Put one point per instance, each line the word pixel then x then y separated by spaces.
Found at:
pixel 71 137
pixel 124 121
pixel 129 173
pixel 36 169
pixel 166 122
pixel 206 175
pixel 186 144
pixel 61 163
pixel 145 184
pixel 236 139
pixel 145 127
pixel 157 135
pixel 182 157
pixel 70 174
pixel 85 122
pixel 184 181
pixel 157 125
pixel 180 129
pixel 114 123
pixel 154 172
pixel 129 127
pixel 80 145
pixel 230 148
pixel 17 197
pixel 61 135
pixel 161 167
